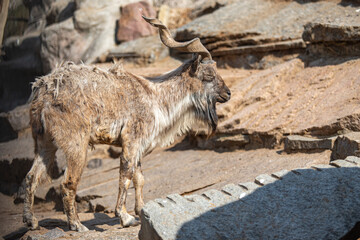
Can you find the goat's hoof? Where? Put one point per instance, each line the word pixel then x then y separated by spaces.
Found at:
pixel 31 222
pixel 117 213
pixel 78 227
pixel 127 220
pixel 138 211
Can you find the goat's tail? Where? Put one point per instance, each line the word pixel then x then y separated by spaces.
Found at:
pixel 36 108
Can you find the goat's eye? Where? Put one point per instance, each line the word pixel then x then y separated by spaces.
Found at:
pixel 208 77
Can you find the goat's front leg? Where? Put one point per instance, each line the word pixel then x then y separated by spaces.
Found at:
pixel 138 181
pixel 127 165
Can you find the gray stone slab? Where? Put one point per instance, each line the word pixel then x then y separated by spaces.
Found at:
pixel 342 163
pixel 264 179
pixel 249 186
pixel 353 159
pixel 280 174
pixel 304 204
pixel 296 142
pixel 217 197
pixel 234 190
pixel 321 167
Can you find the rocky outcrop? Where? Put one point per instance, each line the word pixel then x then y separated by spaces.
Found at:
pixel 131 25
pixel 22 63
pixel 143 50
pixel 335 39
pixel 346 145
pixel 291 99
pixel 174 17
pixel 14 122
pixel 283 205
pixel 61 42
pixel 238 37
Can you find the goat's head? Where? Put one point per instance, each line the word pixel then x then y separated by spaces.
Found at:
pixel 208 87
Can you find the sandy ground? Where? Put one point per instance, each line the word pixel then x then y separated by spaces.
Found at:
pixel 179 169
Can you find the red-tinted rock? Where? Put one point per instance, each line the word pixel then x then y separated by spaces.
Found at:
pixel 131 25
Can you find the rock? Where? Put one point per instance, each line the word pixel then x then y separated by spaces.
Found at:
pixel 61 42
pixel 208 7
pixel 282 209
pixel 7 132
pixel 353 159
pixel 265 179
pixel 143 50
pixel 94 163
pixel 106 203
pixel 19 118
pixel 15 161
pixel 131 24
pixel 173 17
pixel 237 30
pixel 346 145
pixel 3 17
pixel 54 233
pixel 335 39
pixel 177 4
pixel 114 152
pixel 17 11
pixel 322 32
pixel 22 64
pixel 342 163
pixel 291 99
pixel 37 18
pixel 296 143
pixel 60 11
pixel 96 21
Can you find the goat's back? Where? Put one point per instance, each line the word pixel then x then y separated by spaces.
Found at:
pixel 75 99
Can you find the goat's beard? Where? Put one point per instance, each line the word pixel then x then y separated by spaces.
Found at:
pixel 206 111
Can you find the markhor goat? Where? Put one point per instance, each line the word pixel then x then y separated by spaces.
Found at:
pixel 76 106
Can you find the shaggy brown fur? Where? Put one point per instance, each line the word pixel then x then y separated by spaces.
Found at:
pixel 75 106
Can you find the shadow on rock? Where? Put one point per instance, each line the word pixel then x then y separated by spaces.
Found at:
pixel 300 204
pixel 304 204
pixel 52 223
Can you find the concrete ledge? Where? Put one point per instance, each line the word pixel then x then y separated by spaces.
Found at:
pixel 321 202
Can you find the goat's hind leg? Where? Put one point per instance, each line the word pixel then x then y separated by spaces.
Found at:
pixel 76 160
pixel 127 164
pixel 44 157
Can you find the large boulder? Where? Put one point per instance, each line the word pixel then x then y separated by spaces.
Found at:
pixel 96 22
pixel 61 42
pixel 131 25
pixel 297 204
pixel 21 64
pixel 14 122
pixel 346 145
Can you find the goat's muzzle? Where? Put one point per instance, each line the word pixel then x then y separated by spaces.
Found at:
pixel 224 95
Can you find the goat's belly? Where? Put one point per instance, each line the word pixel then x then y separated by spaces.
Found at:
pixel 104 136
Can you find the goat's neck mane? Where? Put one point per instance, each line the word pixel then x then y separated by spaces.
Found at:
pixel 179 102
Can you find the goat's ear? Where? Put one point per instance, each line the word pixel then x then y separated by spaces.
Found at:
pixel 196 60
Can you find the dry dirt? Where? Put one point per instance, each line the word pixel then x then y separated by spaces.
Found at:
pixel 179 169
